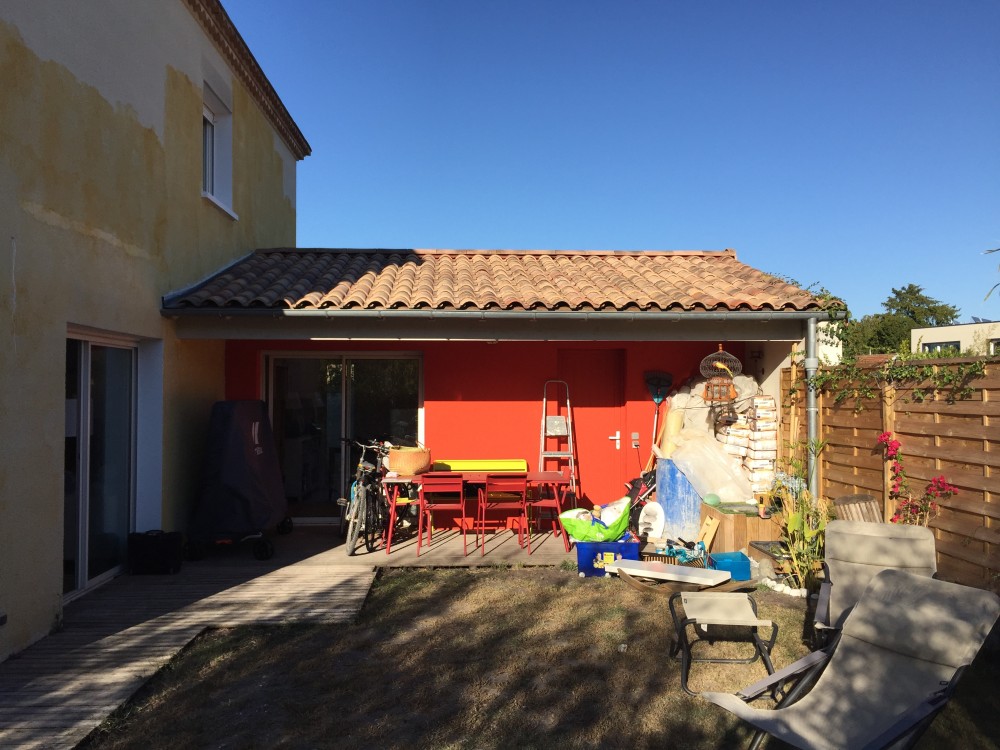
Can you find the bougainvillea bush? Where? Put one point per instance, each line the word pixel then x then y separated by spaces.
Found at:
pixel 910 509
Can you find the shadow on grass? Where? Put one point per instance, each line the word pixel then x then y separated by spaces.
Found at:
pixel 488 658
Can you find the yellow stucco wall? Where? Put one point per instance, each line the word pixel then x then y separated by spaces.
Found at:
pixel 101 214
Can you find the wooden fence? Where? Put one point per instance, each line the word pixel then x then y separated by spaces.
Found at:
pixel 959 440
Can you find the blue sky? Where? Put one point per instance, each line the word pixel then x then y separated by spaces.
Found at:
pixel 854 146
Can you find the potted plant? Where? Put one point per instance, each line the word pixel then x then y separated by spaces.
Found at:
pixel 803 521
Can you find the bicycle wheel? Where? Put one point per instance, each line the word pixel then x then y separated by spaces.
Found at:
pixel 375 519
pixel 356 513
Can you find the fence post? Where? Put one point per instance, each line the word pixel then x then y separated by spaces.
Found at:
pixel 793 410
pixel 888 407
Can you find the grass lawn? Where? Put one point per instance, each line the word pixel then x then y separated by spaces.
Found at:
pixel 480 658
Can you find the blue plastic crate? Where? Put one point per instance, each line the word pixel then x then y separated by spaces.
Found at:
pixel 591 557
pixel 736 563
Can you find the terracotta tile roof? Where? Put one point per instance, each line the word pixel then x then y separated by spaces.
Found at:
pixel 331 279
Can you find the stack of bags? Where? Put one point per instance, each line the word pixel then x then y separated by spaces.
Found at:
pixel 734 434
pixel 762 446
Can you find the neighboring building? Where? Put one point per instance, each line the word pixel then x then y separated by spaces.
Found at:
pixel 141 148
pixel 829 348
pixel 978 337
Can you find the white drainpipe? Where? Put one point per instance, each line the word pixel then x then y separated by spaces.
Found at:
pixel 812 410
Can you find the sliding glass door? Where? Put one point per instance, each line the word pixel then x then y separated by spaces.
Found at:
pixel 319 405
pixel 99 460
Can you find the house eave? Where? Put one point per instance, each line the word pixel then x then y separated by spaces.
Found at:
pixel 215 21
pixel 490 325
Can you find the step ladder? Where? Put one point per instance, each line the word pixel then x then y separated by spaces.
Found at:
pixel 555 444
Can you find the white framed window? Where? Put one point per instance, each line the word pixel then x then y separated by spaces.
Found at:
pixel 994 346
pixel 208 153
pixel 217 151
pixel 941 346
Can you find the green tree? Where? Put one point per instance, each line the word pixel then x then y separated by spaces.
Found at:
pixel 892 332
pixel 924 311
pixel 855 335
pixel 906 308
pixel 874 334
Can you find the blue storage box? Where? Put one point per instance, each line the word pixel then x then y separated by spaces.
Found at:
pixel 591 557
pixel 736 563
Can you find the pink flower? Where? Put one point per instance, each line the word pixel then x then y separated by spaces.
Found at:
pixel 891 446
pixel 909 509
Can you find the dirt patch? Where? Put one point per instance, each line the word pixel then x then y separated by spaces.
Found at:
pixel 488 658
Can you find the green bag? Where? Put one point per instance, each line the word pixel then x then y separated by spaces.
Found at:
pixel 589 529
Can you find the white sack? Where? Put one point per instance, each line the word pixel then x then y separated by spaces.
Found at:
pixel 711 470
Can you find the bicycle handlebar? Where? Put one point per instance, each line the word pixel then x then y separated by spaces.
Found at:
pixel 378 445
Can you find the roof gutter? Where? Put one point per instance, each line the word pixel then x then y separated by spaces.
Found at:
pixel 526 315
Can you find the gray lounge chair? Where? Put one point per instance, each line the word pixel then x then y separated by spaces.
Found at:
pixel 856 551
pixel 708 611
pixel 894 665
pixel 858 508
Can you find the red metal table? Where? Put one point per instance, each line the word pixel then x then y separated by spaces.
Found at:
pixel 541 481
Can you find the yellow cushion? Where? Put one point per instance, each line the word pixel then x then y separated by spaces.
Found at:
pixel 481 464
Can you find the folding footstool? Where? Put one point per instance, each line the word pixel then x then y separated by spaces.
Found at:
pixel 708 610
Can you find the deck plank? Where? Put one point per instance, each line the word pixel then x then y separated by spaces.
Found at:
pixel 53 694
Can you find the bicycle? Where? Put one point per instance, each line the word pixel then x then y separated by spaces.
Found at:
pixel 367 510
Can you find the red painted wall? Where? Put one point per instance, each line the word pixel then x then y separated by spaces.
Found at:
pixel 483 400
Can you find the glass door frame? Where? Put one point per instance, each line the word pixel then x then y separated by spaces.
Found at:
pixel 88 339
pixel 343 356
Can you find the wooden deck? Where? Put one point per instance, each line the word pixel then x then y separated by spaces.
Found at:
pixel 446 551
pixel 112 640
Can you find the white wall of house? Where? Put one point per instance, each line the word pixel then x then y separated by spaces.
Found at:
pixel 102 213
pixel 972 338
pixel 766 360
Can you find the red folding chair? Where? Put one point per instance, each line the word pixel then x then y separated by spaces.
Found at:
pixel 503 492
pixel 543 507
pixel 440 490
